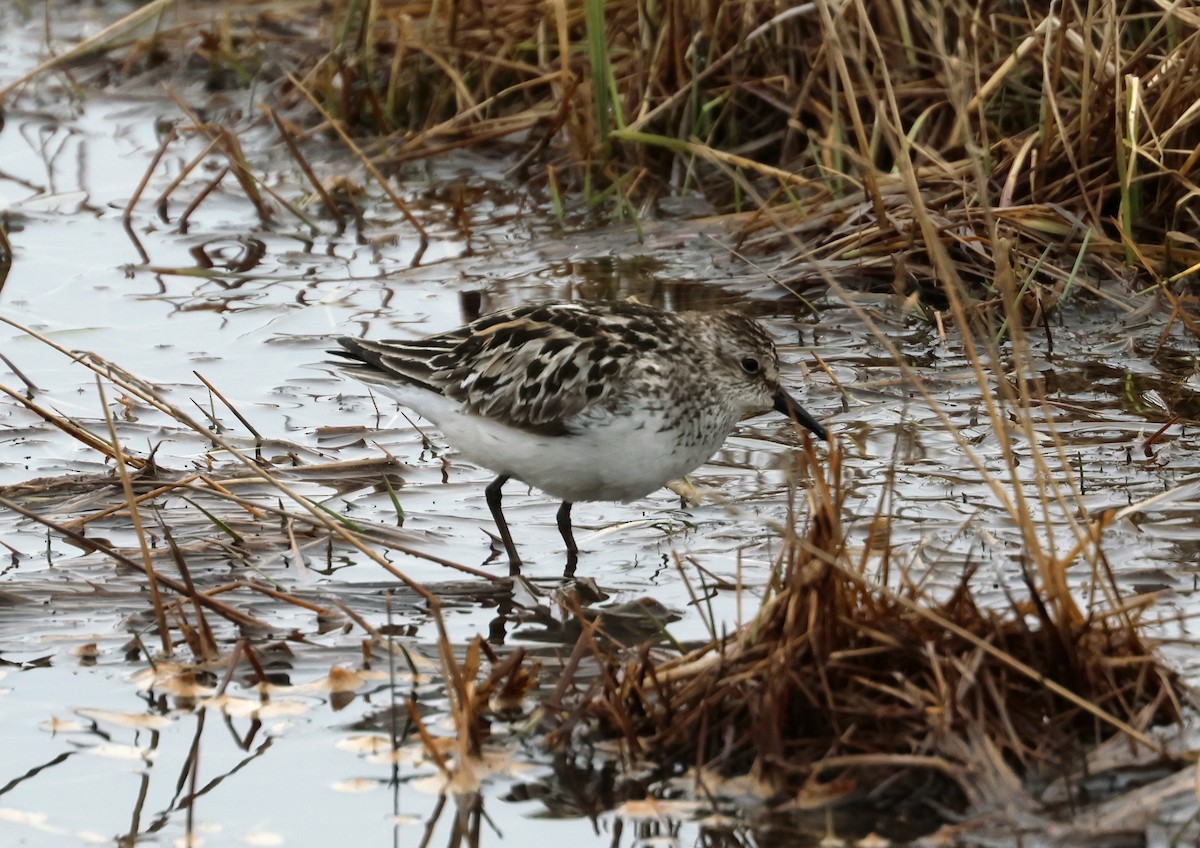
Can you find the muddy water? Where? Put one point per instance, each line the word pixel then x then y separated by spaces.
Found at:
pixel 91 756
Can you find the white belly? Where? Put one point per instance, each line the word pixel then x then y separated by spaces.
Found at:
pixel 616 459
pixel 610 465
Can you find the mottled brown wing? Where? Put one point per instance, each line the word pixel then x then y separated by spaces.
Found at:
pixel 535 367
pixel 532 367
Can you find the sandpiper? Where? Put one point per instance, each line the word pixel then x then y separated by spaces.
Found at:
pixel 585 401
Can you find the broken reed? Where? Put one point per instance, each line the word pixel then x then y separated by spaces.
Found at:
pixel 214 496
pixel 181 607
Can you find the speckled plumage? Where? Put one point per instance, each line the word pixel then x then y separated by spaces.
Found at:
pixel 586 401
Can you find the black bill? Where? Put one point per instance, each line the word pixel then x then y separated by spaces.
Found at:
pixel 787 405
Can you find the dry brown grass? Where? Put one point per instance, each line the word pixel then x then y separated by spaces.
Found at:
pixel 985 160
pixel 886 143
pixel 843 686
pixel 1057 140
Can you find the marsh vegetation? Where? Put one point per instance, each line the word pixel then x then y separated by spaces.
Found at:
pixel 967 619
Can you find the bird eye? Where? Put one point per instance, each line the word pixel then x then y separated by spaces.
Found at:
pixel 750 365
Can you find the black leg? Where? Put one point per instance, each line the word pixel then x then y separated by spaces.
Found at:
pixel 564 527
pixel 493 502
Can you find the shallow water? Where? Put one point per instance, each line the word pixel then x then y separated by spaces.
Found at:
pixel 91 757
